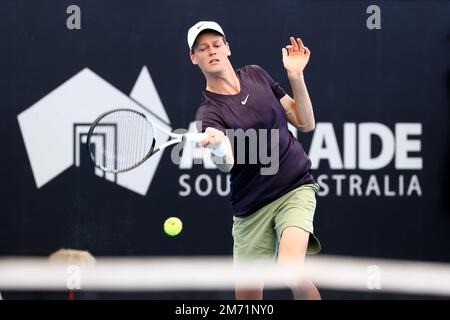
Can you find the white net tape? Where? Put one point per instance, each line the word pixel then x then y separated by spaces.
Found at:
pixel 218 273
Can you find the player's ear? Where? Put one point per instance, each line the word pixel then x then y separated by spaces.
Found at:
pixel 229 50
pixel 193 59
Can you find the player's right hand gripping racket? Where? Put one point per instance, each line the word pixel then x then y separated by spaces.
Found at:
pixel 122 139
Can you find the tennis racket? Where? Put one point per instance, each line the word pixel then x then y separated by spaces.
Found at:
pixel 122 139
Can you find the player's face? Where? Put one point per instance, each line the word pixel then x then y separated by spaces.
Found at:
pixel 211 53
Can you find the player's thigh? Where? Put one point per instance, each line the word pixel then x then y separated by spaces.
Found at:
pixel 294 222
pixel 254 236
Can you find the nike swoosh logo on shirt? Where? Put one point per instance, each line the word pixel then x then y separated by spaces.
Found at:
pixel 245 100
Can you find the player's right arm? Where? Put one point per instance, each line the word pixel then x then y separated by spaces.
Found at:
pixel 218 139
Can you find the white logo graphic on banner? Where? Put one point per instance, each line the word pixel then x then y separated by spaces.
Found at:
pixel 54 129
pixel 400 147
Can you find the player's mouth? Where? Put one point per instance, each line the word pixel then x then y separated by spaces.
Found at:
pixel 213 61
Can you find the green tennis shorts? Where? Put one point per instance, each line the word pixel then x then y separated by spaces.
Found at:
pixel 258 234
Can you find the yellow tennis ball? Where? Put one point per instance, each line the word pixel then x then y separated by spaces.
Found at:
pixel 173 226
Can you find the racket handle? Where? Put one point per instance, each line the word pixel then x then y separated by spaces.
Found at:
pixel 194 137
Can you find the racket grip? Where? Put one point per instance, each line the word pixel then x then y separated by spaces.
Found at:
pixel 194 137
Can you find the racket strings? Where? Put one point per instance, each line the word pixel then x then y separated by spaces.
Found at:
pixel 128 139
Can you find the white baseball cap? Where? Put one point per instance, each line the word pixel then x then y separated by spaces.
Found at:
pixel 195 30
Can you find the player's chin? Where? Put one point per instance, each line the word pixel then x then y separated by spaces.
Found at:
pixel 214 68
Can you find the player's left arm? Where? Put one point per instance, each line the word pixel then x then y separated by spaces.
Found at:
pixel 299 110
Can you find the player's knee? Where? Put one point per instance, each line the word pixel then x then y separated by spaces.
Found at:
pixel 248 294
pixel 306 291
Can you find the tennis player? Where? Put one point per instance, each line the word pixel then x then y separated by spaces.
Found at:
pixel 273 213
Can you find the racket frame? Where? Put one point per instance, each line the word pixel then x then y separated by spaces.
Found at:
pixel 176 138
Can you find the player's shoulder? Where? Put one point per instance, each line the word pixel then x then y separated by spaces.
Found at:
pixel 252 68
pixel 207 102
pixel 207 105
pixel 254 71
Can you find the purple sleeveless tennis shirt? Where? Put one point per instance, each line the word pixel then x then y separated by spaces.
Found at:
pixel 256 106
